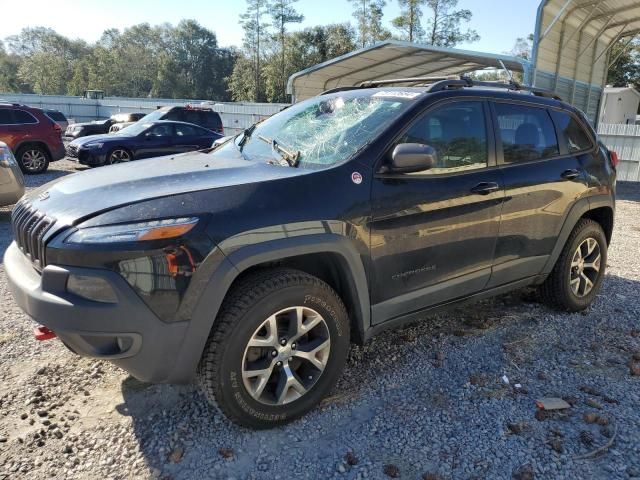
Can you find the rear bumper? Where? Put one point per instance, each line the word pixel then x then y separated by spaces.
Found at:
pixel 57 152
pixel 127 332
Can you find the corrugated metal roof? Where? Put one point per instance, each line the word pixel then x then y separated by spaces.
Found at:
pixel 393 59
pixel 572 48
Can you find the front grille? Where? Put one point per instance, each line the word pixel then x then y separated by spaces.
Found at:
pixel 72 151
pixel 29 229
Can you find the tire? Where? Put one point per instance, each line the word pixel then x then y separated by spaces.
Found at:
pixel 118 155
pixel 558 290
pixel 33 159
pixel 245 313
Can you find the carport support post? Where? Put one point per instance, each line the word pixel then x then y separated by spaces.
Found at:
pixel 575 70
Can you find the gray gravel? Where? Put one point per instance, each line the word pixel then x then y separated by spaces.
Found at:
pixel 425 402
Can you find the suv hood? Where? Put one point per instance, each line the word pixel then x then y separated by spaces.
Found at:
pixel 76 197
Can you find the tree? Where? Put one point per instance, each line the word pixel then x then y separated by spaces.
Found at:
pixel 9 65
pixel 625 69
pixel 283 13
pixel 443 29
pixel 409 22
pixel 368 15
pixel 523 47
pixel 255 30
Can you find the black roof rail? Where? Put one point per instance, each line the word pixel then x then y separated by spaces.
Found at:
pixel 438 84
pixel 465 81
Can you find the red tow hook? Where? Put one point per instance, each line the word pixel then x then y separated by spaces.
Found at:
pixel 43 333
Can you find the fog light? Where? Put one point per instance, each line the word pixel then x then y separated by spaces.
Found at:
pixel 91 288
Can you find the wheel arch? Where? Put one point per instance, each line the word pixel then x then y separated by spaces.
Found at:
pixel 599 208
pixel 34 142
pixel 330 257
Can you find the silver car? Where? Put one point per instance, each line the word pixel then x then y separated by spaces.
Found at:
pixel 11 179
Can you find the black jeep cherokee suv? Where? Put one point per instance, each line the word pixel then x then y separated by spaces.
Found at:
pixel 253 266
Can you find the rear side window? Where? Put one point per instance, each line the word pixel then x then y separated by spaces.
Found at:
pixel 187 131
pixel 574 134
pixel 5 117
pixel 22 117
pixel 457 132
pixel 527 133
pixel 211 120
pixel 176 115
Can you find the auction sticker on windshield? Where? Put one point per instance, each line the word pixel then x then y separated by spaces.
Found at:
pixel 396 94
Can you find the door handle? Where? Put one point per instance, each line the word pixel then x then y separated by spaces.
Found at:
pixel 570 174
pixel 485 188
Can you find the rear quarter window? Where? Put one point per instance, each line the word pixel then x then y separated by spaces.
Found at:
pixel 572 132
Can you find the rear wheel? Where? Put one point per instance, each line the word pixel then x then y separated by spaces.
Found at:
pixel 33 159
pixel 118 155
pixel 276 349
pixel 578 274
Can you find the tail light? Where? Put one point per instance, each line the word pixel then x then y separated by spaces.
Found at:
pixel 221 130
pixel 614 158
pixel 57 128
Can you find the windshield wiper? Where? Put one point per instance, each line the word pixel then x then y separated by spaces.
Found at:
pixel 292 158
pixel 246 134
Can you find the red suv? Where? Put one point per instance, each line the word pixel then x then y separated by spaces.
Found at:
pixel 34 138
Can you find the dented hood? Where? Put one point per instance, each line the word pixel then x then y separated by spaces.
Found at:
pixel 74 198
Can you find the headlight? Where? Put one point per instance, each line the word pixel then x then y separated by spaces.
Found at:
pixel 134 232
pixel 6 157
pixel 93 145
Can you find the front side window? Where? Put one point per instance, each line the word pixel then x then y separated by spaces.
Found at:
pixel 576 138
pixel 23 118
pixel 458 133
pixel 527 133
pixel 328 129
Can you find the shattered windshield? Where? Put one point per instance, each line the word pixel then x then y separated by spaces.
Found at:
pixel 325 130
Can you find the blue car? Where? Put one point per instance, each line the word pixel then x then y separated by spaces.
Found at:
pixel 141 140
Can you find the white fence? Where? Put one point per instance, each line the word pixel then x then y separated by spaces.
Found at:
pixel 625 141
pixel 235 116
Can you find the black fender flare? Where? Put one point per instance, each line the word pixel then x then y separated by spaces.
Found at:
pixel 579 209
pixel 228 267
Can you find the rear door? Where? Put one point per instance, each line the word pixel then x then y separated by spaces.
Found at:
pixel 543 177
pixel 9 131
pixel 433 232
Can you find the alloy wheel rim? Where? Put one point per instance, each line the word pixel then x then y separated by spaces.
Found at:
pixel 33 160
pixel 585 267
pixel 286 356
pixel 119 156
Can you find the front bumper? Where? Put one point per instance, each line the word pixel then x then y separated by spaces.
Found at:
pixel 127 333
pixel 86 156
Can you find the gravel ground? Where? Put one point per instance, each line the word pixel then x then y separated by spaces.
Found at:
pixel 426 402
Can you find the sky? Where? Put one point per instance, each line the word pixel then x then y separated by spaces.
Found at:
pixel 499 22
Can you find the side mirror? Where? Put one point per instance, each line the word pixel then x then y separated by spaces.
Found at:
pixel 412 157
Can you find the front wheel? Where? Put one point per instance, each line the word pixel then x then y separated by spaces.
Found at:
pixel 578 274
pixel 276 349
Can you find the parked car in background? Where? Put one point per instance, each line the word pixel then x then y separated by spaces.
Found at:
pixel 202 116
pixel 98 127
pixel 34 138
pixel 141 140
pixel 123 120
pixel 58 117
pixel 11 179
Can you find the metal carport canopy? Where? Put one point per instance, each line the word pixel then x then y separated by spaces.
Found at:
pixel 393 59
pixel 573 44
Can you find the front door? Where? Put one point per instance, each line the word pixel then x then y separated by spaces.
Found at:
pixel 433 232
pixel 157 141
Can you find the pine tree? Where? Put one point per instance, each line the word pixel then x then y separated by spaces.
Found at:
pixel 409 22
pixel 282 13
pixel 255 30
